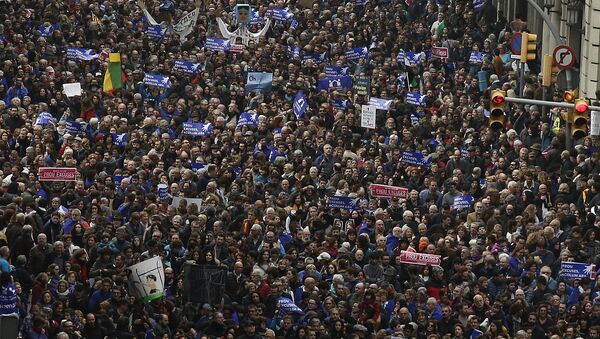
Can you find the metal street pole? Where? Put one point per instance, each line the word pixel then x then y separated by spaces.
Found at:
pixel 548 21
pixel 546 103
pixel 568 136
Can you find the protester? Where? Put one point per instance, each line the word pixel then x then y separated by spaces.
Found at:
pixel 286 207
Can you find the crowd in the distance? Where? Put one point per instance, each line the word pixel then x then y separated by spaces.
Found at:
pixel 263 189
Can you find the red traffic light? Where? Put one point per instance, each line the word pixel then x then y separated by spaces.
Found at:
pixel 498 100
pixel 581 107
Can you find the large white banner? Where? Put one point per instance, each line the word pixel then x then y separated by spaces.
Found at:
pixel 147 279
pixel 184 26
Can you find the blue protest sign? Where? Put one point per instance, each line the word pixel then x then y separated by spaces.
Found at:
pixel 197 129
pixel 8 300
pixel 414 158
pixel 317 58
pixel 167 6
pixel 187 67
pixel 379 103
pixel 476 333
pixel 117 180
pixel 340 103
pixel 73 127
pixel 275 154
pixel 414 120
pixel 482 79
pixel 218 44
pixel 256 18
pixel 157 80
pixel 198 166
pixel 44 118
pixel 412 58
pixel 335 82
pixel 357 53
pixel 463 201
pixel 81 54
pixel 337 71
pixel 300 104
pixel 280 14
pixel 285 306
pixel 577 270
pixel 476 57
pixel 482 182
pixel 247 119
pixel 415 98
pixel 155 32
pixel 120 139
pixel 259 81
pixel 477 4
pixel 292 51
pixel 348 203
pixel 401 57
pixel 47 30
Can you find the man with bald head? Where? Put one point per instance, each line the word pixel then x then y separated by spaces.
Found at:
pixel 38 254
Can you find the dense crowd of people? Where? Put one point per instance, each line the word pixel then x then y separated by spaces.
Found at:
pixel 259 193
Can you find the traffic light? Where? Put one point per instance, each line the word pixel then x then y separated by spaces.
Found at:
pixel 497 106
pixel 528 47
pixel 569 96
pixel 581 115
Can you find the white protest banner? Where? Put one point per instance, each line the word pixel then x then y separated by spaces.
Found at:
pixel 368 116
pixel 184 26
pixel 147 279
pixel 72 90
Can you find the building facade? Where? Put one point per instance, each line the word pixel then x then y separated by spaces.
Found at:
pixel 578 22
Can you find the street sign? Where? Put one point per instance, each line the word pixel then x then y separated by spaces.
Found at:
pixel 564 57
pixel 594 123
pixel 515 43
pixel 567 79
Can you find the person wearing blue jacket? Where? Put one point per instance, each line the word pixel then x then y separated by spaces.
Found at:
pixel 103 294
pixel 17 91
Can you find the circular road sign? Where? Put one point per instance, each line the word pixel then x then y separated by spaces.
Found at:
pixel 515 43
pixel 564 57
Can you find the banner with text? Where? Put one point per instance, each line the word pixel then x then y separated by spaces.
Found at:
pixel 439 52
pixel 57 174
pixel 385 191
pixel 577 270
pixel 348 203
pixel 420 258
pixel 362 85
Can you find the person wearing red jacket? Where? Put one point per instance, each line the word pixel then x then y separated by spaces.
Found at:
pixel 369 313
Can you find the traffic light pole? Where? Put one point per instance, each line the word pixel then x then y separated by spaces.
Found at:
pixel 546 103
pixel 546 18
pixel 568 136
